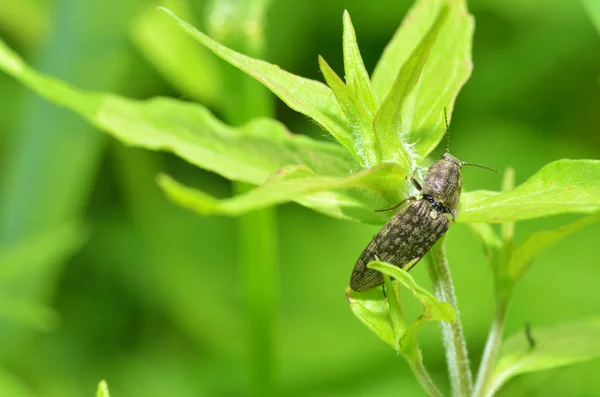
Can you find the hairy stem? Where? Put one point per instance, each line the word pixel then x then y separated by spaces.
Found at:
pixel 424 378
pixel 492 347
pixel 454 341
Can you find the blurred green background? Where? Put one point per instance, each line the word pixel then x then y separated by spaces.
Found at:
pixel 101 277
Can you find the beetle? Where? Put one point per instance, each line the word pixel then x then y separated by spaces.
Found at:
pixel 415 228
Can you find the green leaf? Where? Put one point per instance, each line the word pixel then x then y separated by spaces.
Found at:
pixel 360 121
pixel 396 314
pixel 531 247
pixel 393 121
pixel 176 55
pixel 306 96
pixel 357 77
pixel 563 186
pixel 374 312
pixel 447 69
pixel 355 115
pixel 555 347
pixel 386 320
pixel 404 338
pixel 433 309
pixel 289 183
pixel 102 389
pixel 250 153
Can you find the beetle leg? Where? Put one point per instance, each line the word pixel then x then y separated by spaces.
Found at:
pixel 411 198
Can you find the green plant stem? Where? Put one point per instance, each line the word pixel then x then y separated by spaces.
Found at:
pixel 492 347
pixel 423 377
pixel 503 289
pixel 454 341
pixel 257 234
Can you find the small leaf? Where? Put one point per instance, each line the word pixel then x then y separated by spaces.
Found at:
pixel 563 186
pixel 306 96
pixel 393 122
pixel 249 153
pixel 433 309
pixel 374 312
pixel 357 77
pixel 555 347
pixel 177 56
pixel 396 313
pixel 386 320
pixel 447 69
pixel 290 183
pixel 531 247
pixel 360 121
pixel 102 389
pixel 407 343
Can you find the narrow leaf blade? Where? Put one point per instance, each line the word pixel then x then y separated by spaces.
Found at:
pixel 357 77
pixel 393 121
pixel 535 243
pixel 291 183
pixel 448 68
pixel 344 99
pixel 360 122
pixel 563 186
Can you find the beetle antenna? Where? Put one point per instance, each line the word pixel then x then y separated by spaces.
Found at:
pixel 447 132
pixel 481 166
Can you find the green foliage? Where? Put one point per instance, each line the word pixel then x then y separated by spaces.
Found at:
pixel 294 183
pixel 385 126
pixel 447 69
pixel 524 253
pixel 259 149
pixel 557 346
pixel 563 186
pixel 387 321
pixel 306 96
pixel 391 121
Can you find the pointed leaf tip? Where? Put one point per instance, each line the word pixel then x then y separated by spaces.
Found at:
pixel 444 74
pixel 309 97
pixel 102 389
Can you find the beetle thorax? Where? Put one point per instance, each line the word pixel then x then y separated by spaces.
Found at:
pixel 443 183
